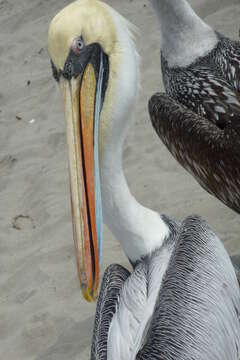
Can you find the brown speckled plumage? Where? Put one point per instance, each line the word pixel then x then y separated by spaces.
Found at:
pixel 199 119
pixel 210 154
pixel 210 85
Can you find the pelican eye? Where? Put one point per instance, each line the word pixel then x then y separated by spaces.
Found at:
pixel 78 45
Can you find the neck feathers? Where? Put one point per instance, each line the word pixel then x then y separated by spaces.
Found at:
pixel 138 229
pixel 184 36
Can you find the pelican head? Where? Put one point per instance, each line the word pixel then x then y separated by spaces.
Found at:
pixel 91 52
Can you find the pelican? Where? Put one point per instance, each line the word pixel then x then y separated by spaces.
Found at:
pixel 182 299
pixel 198 118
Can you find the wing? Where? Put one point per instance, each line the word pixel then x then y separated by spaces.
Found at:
pixel 228 60
pixel 112 283
pixel 235 259
pixel 137 301
pixel 209 153
pixel 136 304
pixel 204 90
pixel 197 311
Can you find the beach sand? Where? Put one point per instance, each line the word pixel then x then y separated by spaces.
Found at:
pixel 42 314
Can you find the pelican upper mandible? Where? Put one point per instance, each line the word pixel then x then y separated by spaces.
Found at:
pixel 182 299
pixel 199 118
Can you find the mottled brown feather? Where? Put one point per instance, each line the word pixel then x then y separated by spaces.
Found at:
pixel 210 154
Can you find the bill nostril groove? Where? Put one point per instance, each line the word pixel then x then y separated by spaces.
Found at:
pixel 68 70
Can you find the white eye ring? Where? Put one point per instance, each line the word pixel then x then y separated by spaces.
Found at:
pixel 80 44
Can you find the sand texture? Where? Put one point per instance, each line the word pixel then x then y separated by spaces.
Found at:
pixel 42 314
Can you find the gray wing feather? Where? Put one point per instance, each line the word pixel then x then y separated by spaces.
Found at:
pixel 137 300
pixel 113 280
pixel 235 259
pixel 197 311
pixel 136 305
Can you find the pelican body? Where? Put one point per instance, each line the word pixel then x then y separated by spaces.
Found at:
pixel 182 275
pixel 201 73
pixel 180 302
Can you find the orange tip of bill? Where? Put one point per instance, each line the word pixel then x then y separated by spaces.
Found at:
pixel 88 296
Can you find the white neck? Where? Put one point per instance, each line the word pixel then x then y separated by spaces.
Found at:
pixel 138 229
pixel 184 36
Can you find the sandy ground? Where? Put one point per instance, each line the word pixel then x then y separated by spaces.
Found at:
pixel 42 314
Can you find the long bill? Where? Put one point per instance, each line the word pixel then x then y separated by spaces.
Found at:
pixel 81 104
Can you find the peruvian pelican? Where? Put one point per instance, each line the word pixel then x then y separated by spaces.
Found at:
pixel 182 299
pixel 199 117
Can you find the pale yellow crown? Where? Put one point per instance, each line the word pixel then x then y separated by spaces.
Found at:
pixel 87 18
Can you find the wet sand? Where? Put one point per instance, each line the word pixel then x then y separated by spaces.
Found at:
pixel 42 314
